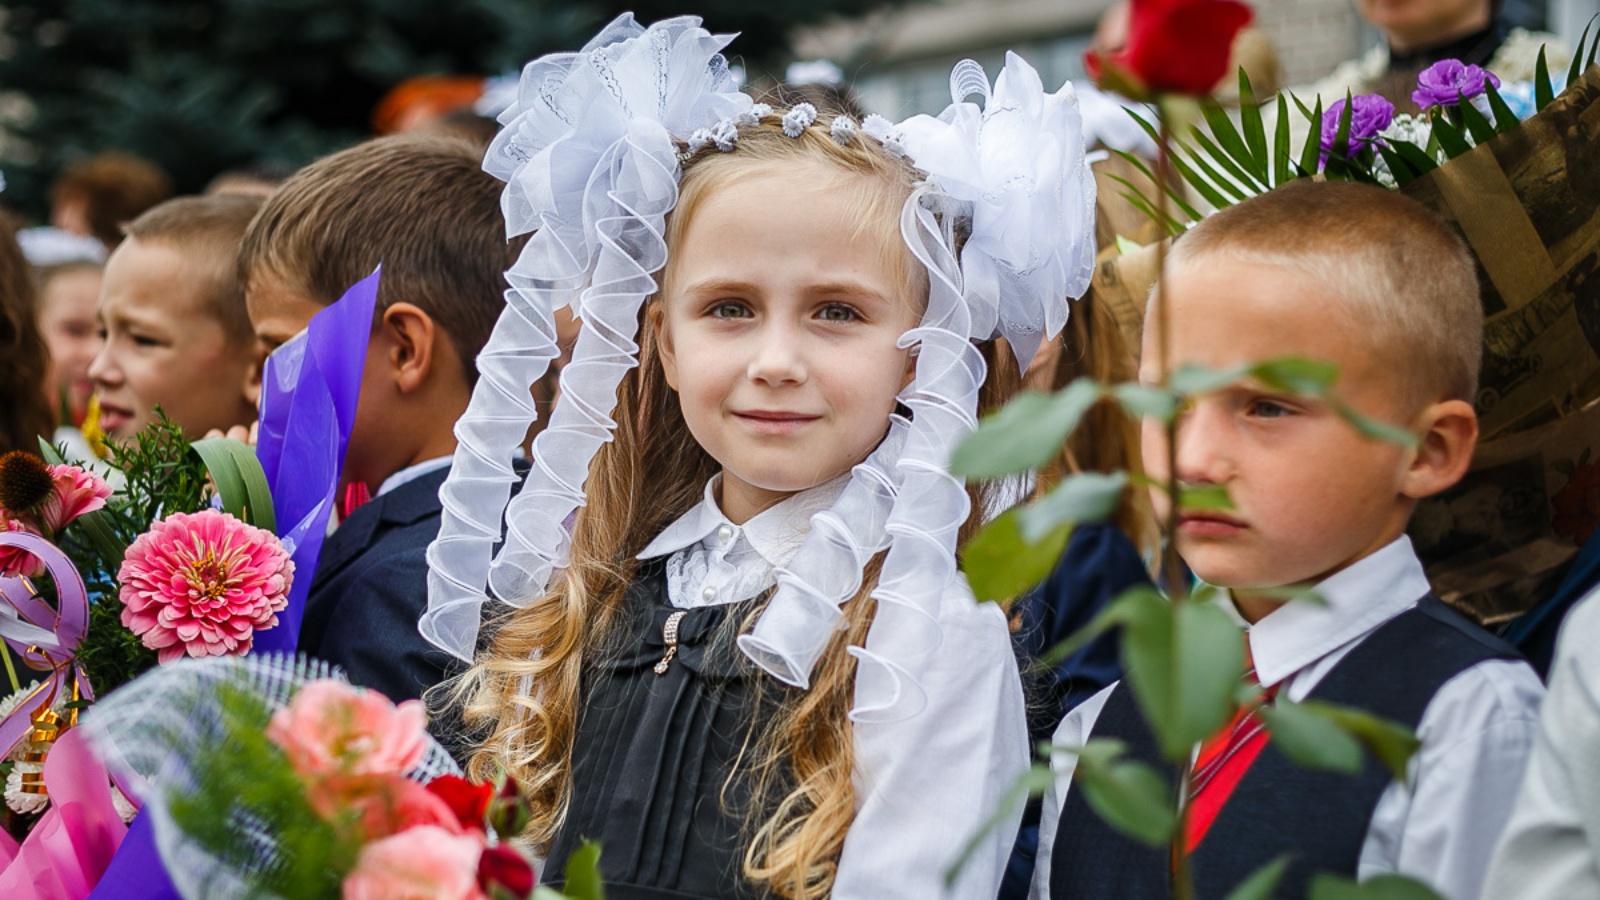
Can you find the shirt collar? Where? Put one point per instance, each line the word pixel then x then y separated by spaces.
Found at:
pixel 412 473
pixel 1348 605
pixel 775 533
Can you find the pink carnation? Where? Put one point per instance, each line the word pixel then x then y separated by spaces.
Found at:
pixel 202 584
pixel 422 863
pixel 77 491
pixel 332 728
pixel 15 561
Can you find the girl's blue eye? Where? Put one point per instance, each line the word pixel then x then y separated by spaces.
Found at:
pixel 837 312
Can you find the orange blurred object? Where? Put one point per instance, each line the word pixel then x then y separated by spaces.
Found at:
pixel 418 102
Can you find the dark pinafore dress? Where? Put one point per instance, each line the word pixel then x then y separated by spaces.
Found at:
pixel 662 722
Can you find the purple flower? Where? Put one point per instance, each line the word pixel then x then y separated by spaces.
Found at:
pixel 1369 115
pixel 1450 82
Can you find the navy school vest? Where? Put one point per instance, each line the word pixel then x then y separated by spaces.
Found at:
pixel 1319 818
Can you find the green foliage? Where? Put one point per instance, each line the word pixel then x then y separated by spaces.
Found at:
pixel 1262 882
pixel 208 85
pixel 582 875
pixel 1001 565
pixel 1084 497
pixel 1383 887
pixel 1311 740
pixel 1025 433
pixel 1182 661
pixel 243 787
pixel 1132 797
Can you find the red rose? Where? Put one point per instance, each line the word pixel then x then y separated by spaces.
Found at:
pixel 503 871
pixel 470 802
pixel 1173 47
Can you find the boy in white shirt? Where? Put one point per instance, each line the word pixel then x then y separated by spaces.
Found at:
pixel 1374 283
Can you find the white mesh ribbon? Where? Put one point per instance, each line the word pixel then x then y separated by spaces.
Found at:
pixel 148 732
pixel 590 167
pixel 1014 173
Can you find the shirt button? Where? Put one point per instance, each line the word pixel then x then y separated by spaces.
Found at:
pixel 709 594
pixel 725 533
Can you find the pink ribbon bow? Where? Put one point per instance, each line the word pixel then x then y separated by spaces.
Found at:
pixel 46 638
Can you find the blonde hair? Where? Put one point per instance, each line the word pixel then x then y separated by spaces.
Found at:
pixel 802 762
pixel 1400 273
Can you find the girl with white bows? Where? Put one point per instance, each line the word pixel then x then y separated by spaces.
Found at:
pixel 747 666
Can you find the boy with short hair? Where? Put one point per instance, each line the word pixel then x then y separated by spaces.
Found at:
pixel 422 207
pixel 1374 283
pixel 173 313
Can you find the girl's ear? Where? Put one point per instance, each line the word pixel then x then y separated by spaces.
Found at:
pixel 663 339
pixel 1448 434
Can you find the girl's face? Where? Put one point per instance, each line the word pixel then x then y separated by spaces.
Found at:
pixel 779 324
pixel 67 319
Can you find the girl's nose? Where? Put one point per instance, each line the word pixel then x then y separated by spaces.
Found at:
pixel 102 370
pixel 778 357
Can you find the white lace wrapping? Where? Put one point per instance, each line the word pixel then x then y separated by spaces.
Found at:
pixel 148 731
pixel 590 167
pixel 1009 177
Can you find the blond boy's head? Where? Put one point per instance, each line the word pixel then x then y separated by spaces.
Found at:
pixel 1394 268
pixel 177 334
pixel 1358 277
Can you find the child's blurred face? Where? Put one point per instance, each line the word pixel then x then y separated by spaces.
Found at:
pixel 780 322
pixel 164 346
pixel 67 319
pixel 1310 495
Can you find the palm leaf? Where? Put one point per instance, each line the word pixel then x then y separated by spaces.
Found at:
pixel 1238 155
pixel 1543 90
pixel 1255 135
pixel 1280 144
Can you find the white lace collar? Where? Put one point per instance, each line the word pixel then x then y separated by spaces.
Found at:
pixel 711 560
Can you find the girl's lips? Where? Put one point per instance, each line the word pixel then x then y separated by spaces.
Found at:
pixel 1209 525
pixel 111 418
pixel 775 421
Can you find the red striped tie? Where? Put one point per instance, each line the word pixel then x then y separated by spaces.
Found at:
pixel 1223 760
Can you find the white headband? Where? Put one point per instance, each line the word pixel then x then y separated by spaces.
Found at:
pixel 589 152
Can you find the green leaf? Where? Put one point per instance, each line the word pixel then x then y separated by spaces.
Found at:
pixel 1206 185
pixel 241 482
pixel 1032 783
pixel 582 879
pixel 1576 69
pixel 1176 198
pixel 1399 166
pixel 1130 796
pixel 1280 145
pixel 1325 886
pixel 1482 132
pixel 1000 564
pixel 1183 660
pixel 1190 380
pixel 1115 613
pixel 1026 433
pixel 1390 743
pixel 1311 740
pixel 1504 119
pixel 1237 158
pixel 1415 156
pixel 1262 882
pixel 1312 151
pixel 1080 498
pixel 1296 375
pixel 1543 90
pixel 1449 138
pixel 1146 401
pixel 1373 428
pixel 1196 498
pixel 1241 184
pixel 1255 134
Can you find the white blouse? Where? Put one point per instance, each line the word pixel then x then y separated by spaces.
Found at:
pixel 925 784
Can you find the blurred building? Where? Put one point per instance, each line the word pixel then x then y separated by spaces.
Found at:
pixel 900 60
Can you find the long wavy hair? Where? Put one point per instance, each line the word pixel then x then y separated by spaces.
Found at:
pixel 524 694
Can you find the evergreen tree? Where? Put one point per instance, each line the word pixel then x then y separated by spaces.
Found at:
pixel 200 86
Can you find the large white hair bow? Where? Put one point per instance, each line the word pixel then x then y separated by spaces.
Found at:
pixel 588 155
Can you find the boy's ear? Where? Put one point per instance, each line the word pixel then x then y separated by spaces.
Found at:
pixel 410 346
pixel 252 378
pixel 663 339
pixel 1449 434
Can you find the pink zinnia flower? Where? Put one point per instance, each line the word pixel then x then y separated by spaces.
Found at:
pixel 14 561
pixel 422 863
pixel 203 583
pixel 76 491
pixel 332 728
